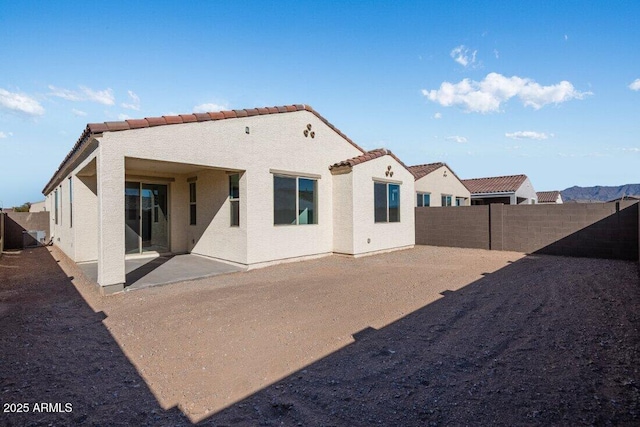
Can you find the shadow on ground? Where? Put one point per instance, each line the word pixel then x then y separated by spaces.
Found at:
pixel 544 341
pixel 55 349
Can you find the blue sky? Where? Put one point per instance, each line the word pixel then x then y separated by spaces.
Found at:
pixel 548 89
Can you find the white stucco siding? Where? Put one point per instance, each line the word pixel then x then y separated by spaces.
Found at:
pixel 85 218
pixel 274 142
pixel 369 236
pixel 437 184
pixel 213 235
pixel 343 213
pixel 527 191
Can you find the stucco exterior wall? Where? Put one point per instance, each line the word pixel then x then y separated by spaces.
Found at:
pixel 526 190
pixel 437 184
pixel 274 143
pixel 38 206
pixel 343 212
pixel 369 236
pixel 213 235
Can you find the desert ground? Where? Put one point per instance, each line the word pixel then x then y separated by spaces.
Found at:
pixel 426 336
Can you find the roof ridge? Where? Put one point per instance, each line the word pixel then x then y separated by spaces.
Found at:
pixel 494 177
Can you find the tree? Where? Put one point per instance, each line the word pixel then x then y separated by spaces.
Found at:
pixel 24 208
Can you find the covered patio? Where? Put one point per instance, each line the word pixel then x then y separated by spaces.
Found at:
pixel 142 272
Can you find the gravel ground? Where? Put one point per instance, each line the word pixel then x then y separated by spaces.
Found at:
pixel 443 336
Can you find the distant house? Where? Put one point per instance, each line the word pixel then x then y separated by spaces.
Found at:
pixel 38 206
pixel 549 197
pixel 437 185
pixel 252 187
pixel 510 190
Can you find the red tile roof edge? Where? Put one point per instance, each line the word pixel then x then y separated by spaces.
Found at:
pixel 100 128
pixel 420 171
pixel 547 196
pixel 369 155
pixel 474 182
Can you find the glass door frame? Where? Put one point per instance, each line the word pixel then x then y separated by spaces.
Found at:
pixel 140 233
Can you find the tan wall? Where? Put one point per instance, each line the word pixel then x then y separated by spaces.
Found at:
pixel 343 213
pixel 436 184
pixel 38 206
pixel 15 223
pixel 274 142
pixel 369 236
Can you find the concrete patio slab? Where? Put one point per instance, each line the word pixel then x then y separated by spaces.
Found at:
pixel 161 270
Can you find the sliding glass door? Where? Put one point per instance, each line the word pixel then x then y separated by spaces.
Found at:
pixel 146 218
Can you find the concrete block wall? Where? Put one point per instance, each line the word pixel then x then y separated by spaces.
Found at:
pixel 602 230
pixel 599 230
pixel 462 226
pixel 17 222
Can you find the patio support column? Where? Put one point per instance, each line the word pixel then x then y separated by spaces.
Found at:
pixel 111 246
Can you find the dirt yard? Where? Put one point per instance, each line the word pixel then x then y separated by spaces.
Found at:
pixel 443 336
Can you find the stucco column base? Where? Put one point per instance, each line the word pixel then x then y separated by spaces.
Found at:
pixel 111 289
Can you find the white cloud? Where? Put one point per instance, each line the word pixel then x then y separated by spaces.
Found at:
pixel 437 116
pixel 461 55
pixel 135 102
pixel 527 134
pixel 5 135
pixel 496 53
pixel 123 117
pixel 635 85
pixel 205 108
pixel 632 149
pixel 487 95
pixel 456 138
pixel 78 113
pixel 20 103
pixel 84 94
pixel 566 37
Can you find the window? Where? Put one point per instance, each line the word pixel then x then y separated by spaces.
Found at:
pixel 460 201
pixel 446 200
pixel 294 200
pixel 192 203
pixel 424 199
pixel 234 199
pixel 70 202
pixel 55 216
pixel 386 202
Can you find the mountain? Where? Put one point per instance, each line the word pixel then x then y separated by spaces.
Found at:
pixel 599 193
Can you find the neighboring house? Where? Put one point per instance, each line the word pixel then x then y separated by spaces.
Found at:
pixel 38 206
pixel 252 187
pixel 549 197
pixel 437 185
pixel 510 190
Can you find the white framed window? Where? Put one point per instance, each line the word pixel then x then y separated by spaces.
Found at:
pixel 424 199
pixel 192 203
pixel 234 199
pixel 461 201
pixel 295 200
pixel 386 202
pixel 446 200
pixel 56 197
pixel 70 202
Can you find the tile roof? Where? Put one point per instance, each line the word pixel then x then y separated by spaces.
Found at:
pixel 421 170
pixel 369 155
pixel 494 184
pixel 547 196
pixel 100 128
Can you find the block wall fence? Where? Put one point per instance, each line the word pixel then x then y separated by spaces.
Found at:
pixel 598 230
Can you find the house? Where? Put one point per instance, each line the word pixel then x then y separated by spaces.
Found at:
pixel 510 190
pixel 549 197
pixel 38 206
pixel 437 185
pixel 251 187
